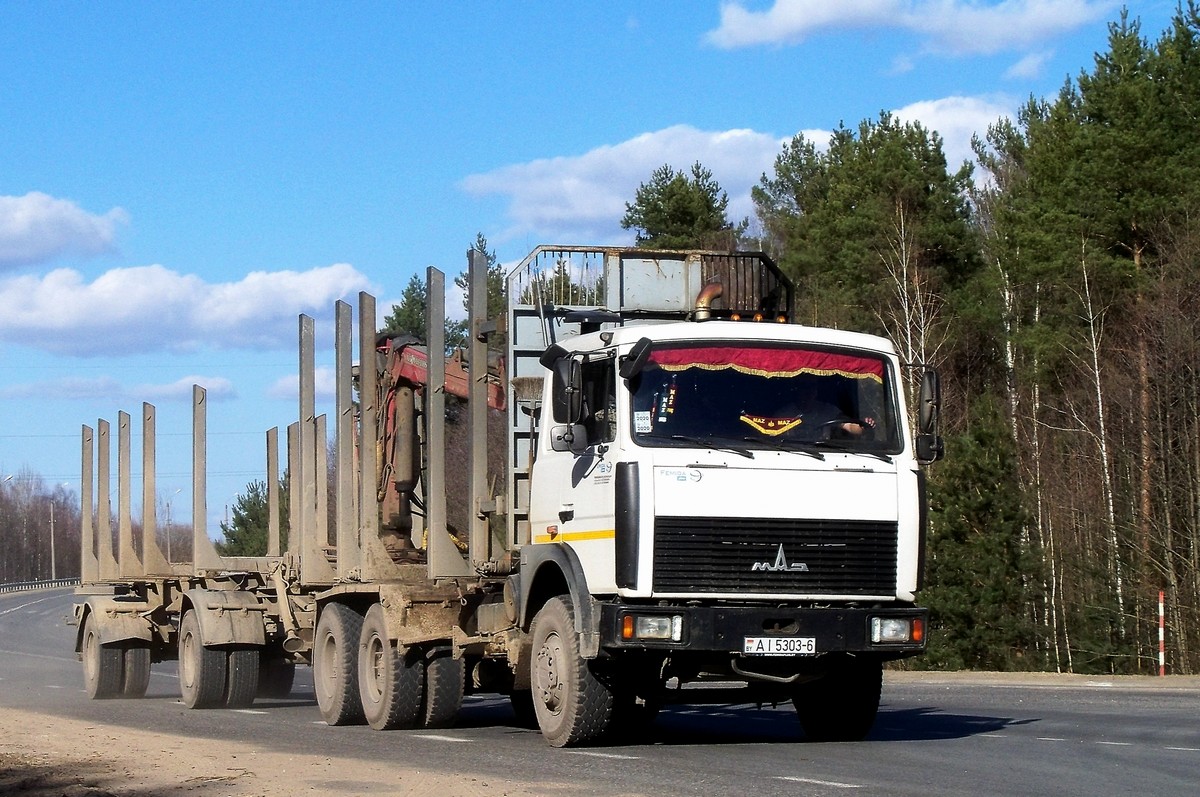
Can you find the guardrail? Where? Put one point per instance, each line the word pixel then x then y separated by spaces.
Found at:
pixel 19 586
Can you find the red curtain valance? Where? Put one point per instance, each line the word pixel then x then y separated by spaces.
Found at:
pixel 769 362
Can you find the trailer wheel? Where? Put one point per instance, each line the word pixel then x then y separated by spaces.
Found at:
pixel 102 664
pixel 391 684
pixel 573 706
pixel 275 677
pixel 445 681
pixel 135 675
pixel 335 665
pixel 241 684
pixel 201 668
pixel 841 707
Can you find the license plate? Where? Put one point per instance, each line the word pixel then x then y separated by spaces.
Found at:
pixel 779 645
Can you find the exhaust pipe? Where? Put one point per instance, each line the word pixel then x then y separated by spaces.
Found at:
pixel 704 301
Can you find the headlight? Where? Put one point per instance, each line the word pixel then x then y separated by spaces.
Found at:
pixel 667 628
pixel 897 630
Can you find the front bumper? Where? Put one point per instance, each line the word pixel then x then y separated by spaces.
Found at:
pixel 725 629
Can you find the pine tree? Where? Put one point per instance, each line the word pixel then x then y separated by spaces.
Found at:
pixel 246 533
pixel 675 211
pixel 980 581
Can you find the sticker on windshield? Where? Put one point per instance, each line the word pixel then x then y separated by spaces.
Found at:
pixel 641 422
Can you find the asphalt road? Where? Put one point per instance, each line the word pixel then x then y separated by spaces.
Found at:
pixel 936 734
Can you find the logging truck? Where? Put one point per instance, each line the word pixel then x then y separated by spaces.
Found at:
pixel 697 501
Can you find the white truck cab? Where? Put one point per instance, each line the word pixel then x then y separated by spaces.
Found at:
pixel 724 496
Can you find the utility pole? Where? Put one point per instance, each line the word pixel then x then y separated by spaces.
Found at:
pixel 53 570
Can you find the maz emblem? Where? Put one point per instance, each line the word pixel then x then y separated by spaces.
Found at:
pixel 780 564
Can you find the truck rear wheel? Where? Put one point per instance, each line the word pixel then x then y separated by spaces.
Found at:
pixel 572 705
pixel 335 665
pixel 241 685
pixel 135 675
pixel 841 706
pixel 103 665
pixel 202 669
pixel 391 683
pixel 445 681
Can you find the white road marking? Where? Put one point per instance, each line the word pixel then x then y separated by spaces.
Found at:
pixel 249 711
pixel 814 782
pixel 1184 749
pixel 616 756
pixel 1050 739
pixel 1117 744
pixel 437 737
pixel 23 605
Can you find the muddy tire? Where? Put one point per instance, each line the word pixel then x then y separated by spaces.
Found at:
pixel 391 683
pixel 335 665
pixel 135 675
pixel 103 665
pixel 202 669
pixel 573 706
pixel 445 681
pixel 241 684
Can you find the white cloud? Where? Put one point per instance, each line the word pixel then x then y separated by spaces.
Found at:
pixel 151 308
pixel 1030 66
pixel 956 119
pixel 959 27
pixel 792 21
pixel 36 228
pixel 216 388
pixel 582 198
pixel 288 387
pixel 105 387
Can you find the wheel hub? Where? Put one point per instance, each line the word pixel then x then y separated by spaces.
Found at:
pixel 548 682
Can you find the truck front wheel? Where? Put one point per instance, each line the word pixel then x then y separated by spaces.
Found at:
pixel 841 706
pixel 572 705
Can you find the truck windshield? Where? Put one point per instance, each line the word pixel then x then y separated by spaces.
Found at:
pixel 760 396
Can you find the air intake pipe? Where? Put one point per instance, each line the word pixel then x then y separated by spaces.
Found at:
pixel 704 300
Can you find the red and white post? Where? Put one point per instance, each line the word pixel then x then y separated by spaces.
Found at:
pixel 1162 639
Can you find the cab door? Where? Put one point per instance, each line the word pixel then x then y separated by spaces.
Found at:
pixel 572 498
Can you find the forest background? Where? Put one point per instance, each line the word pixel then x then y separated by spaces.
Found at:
pixel 1054 286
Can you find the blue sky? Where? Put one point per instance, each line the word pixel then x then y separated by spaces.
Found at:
pixel 178 181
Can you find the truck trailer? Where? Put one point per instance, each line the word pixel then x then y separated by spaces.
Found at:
pixel 697 501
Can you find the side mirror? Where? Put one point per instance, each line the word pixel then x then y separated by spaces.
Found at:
pixel 929 409
pixel 568 437
pixel 929 448
pixel 567 398
pixel 633 363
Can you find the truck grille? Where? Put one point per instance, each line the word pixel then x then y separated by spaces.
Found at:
pixel 819 557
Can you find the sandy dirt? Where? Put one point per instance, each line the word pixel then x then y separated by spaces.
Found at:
pixel 43 756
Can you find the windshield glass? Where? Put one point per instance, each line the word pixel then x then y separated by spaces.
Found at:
pixel 768 397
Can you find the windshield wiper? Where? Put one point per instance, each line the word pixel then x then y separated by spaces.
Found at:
pixel 834 445
pixel 709 442
pixel 792 446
